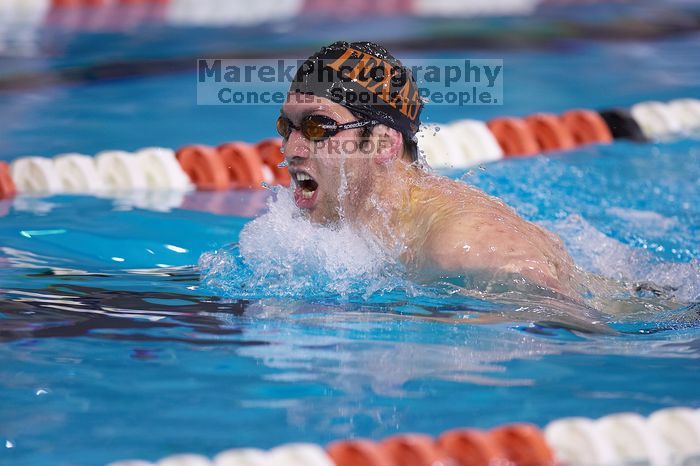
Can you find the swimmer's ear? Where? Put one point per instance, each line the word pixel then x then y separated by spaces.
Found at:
pixel 389 144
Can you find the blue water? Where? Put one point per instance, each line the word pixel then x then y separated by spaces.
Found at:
pixel 112 347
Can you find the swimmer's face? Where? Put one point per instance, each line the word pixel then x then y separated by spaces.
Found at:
pixel 326 175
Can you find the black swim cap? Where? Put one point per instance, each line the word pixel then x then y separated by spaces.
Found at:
pixel 365 78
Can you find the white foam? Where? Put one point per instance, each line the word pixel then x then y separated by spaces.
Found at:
pixel 594 251
pixel 648 221
pixel 284 254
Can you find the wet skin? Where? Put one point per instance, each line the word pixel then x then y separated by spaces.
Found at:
pixel 438 227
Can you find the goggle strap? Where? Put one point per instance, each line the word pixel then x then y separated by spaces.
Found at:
pixel 356 124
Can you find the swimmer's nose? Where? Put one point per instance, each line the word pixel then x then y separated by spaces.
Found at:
pixel 296 147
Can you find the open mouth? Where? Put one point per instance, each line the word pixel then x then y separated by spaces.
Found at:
pixel 306 184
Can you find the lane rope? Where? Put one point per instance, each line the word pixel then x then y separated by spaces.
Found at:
pixel 239 165
pixel 667 436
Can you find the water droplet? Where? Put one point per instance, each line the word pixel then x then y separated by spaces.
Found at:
pixel 41 391
pixel 265 185
pixel 283 164
pixel 467 174
pixel 9 444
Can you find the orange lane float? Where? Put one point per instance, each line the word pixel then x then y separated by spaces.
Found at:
pixel 586 126
pixel 205 167
pixel 414 450
pixel 550 132
pixel 471 447
pixel 358 453
pixel 523 444
pixel 7 186
pixel 270 151
pixel 514 136
pixel 243 165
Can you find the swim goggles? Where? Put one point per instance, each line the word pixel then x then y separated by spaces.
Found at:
pixel 318 127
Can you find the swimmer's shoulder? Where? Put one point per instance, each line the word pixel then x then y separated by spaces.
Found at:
pixel 470 230
pixel 436 191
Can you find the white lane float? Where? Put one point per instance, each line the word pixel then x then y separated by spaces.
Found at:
pixel 680 430
pixel 656 119
pixel 162 170
pixel 242 457
pixel 24 12
pixel 185 459
pixel 477 143
pixel 576 440
pixel 299 454
pixel 120 170
pixel 439 147
pixel 77 173
pixel 34 175
pixel 20 24
pixel 687 111
pixel 452 8
pixel 633 439
pixel 221 12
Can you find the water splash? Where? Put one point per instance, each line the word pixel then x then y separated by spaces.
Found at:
pixel 282 254
pixel 595 252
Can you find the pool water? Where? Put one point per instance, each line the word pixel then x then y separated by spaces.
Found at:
pixel 132 326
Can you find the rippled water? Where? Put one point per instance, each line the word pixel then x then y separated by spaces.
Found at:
pixel 113 347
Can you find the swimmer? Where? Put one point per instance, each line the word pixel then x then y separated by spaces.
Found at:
pixel 349 126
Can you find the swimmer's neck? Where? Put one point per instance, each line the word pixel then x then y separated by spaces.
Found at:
pixel 387 209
